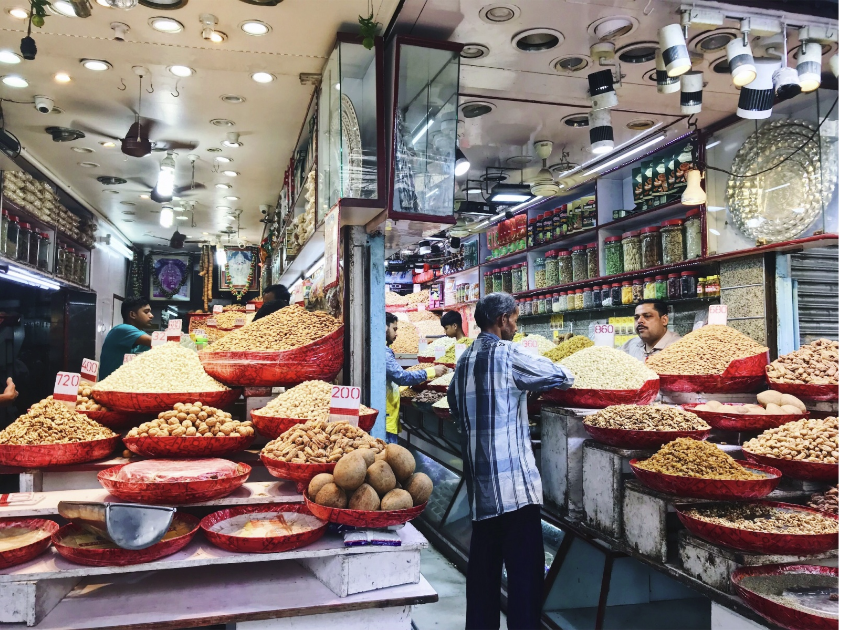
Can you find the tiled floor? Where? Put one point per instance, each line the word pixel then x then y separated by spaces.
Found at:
pixel 448 612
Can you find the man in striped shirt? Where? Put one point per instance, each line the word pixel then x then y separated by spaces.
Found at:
pixel 488 397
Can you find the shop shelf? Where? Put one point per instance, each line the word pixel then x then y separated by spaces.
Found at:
pixel 453 306
pixel 309 253
pixel 598 310
pixel 570 239
pixel 649 217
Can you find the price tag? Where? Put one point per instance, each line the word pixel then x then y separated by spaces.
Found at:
pixel 421 308
pixel 174 323
pixel 217 309
pixel 530 347
pixel 210 322
pixel 199 333
pixel 422 345
pixel 128 357
pixel 344 404
pixel 250 307
pixel 158 338
pixel 90 368
pixel 415 288
pixel 239 321
pixel 66 388
pixel 604 336
pixel 718 315
pixel 460 349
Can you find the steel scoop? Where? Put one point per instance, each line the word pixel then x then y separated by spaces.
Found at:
pixel 131 527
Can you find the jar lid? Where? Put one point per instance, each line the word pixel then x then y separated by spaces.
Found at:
pixel 564 253
pixel 593 245
pixel 615 285
pixel 597 287
pixel 674 276
pixel 631 233
pixel 578 248
pixel 648 279
pixel 45 235
pixel 626 283
pixel 688 273
pixel 25 226
pixel 579 291
pixel 84 256
pixel 650 229
pixel 555 295
pixel 660 278
pixel 533 220
pixel 637 281
pixel 610 240
pixel 562 293
pixel 551 253
pixel 693 213
pixel 71 249
pixel 672 222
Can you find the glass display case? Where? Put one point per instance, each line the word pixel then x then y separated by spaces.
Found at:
pixel 425 121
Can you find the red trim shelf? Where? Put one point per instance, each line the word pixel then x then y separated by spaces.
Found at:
pixel 451 274
pixel 453 306
pixel 635 216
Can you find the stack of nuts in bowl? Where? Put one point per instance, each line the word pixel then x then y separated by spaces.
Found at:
pixel 320 442
pixel 85 400
pixel 696 459
pixel 308 400
pixel 815 363
pixel 652 418
pixel 605 368
pixel 288 328
pixel 367 481
pixel 808 440
pixel 193 420
pixel 705 351
pixel 49 422
pixel 770 403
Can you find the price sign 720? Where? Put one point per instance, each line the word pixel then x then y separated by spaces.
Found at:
pixel 66 388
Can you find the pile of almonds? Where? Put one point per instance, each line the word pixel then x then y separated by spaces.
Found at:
pixel 815 363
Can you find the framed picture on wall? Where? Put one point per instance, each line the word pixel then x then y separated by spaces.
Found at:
pixel 240 269
pixel 170 277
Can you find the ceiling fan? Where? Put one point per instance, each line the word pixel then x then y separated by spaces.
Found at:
pixel 544 183
pixel 177 240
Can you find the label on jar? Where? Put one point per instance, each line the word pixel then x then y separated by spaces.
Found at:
pixel 66 388
pixel 718 315
pixel 158 338
pixel 174 324
pixel 604 336
pixel 344 404
pixel 128 357
pixel 90 368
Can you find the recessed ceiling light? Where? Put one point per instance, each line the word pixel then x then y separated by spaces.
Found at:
pixel 231 174
pixel 255 27
pixel 720 66
pixel 62 77
pixel 107 143
pixel 95 64
pixel 612 27
pixel 205 233
pixel 18 13
pixel 222 122
pixel 223 185
pixel 8 57
pixel 128 213
pixel 570 63
pixel 474 51
pixel 498 13
pixel 128 221
pixel 713 41
pixel 103 3
pixel 126 203
pixel 638 52
pixel 181 71
pixel 232 198
pixel 224 159
pixel 232 98
pixel 640 124
pixel 474 109
pixel 223 208
pixel 62 7
pixel 182 216
pixel 263 77
pixel 576 120
pixel 537 40
pixel 165 25
pixel 14 81
pixel 82 150
pixel 144 197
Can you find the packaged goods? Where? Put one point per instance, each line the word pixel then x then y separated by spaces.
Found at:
pixel 696 459
pixel 607 369
pixel 193 420
pixel 85 400
pixel 827 501
pixel 172 471
pixel 809 440
pixel 49 422
pixel 308 400
pixel 320 442
pixel 568 347
pixel 408 338
pixel 428 397
pixel 705 351
pixel 656 418
pixel 450 356
pixel 169 368
pixel 815 363
pixel 765 519
pixel 285 329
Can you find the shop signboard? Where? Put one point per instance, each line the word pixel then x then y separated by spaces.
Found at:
pixel 344 404
pixel 604 336
pixel 331 248
pixel 718 315
pixel 66 388
pixel 90 369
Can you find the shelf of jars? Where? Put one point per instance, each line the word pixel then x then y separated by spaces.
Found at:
pixel 613 309
pixel 453 306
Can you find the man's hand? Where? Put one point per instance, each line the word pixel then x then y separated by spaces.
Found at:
pixel 440 370
pixel 9 394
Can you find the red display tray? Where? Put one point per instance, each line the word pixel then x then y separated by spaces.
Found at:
pixel 180 493
pixel 268 544
pixel 802 470
pixel 187 447
pixel 298 472
pixel 367 421
pixel 742 422
pixel 425 359
pixel 438 388
pixel 594 398
pixel 366 519
pixel 442 413
pixel 320 360
pixel 90 556
pixel 641 439
pixel 709 488
pixel 741 376
pixel 57 453
pixel 757 541
pixel 114 418
pixel 816 392
pixel 272 427
pixel 30 551
pixel 160 402
pixel 777 613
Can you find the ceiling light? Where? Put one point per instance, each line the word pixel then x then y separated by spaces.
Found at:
pixel 231 198
pixel 462 163
pixel 665 83
pixel 570 63
pixel 638 52
pixel 630 152
pixel 62 77
pixel 18 13
pixel 808 59
pixel 88 165
pixel 786 83
pixel 640 124
pixel 612 27
pixel 166 216
pixel 576 120
pixel 475 109
pixel 693 194
pixel 255 27
pixel 740 60
pixel 713 41
pixel 111 191
pixel 498 13
pixel 691 92
pixel 166 177
pixel 214 150
pixel 833 65
pixel 64 8
pixel 601 131
pixel 474 51
pixel 181 217
pixel 125 203
pixel 144 197
pixel 107 143
pixel 8 57
pixel 263 77
pixel 230 174
pixel 223 159
pixel 95 64
pixel 223 185
pixel 181 71
pixel 14 81
pixel 537 40
pixel 119 4
pixel 82 150
pixel 757 98
pixel 232 98
pixel 103 3
pixel 222 122
pixel 232 140
pixel 217 37
pixel 166 25
pixel 674 51
pixel 715 232
pixel 602 93
pixel 223 208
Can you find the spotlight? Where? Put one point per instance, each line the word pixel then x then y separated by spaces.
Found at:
pixel 740 59
pixel 462 163
pixel 455 244
pixel 833 65
pixel 601 132
pixel 809 66
pixel 757 98
pixel 424 247
pixel 601 89
pixel 166 216
pixel 691 91
pixel 665 83
pixel 166 177
pixel 674 51
pixel 786 84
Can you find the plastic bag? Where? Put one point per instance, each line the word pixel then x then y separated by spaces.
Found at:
pixel 181 471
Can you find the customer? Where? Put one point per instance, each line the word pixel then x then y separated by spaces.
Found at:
pixel 651 319
pixel 275 297
pixel 451 322
pixel 396 377
pixel 128 337
pixel 488 397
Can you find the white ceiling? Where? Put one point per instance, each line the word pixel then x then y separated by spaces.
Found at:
pixel 268 121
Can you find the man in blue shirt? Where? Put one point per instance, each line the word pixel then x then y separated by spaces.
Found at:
pixel 488 397
pixel 129 337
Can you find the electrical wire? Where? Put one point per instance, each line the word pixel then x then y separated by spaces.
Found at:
pixel 789 157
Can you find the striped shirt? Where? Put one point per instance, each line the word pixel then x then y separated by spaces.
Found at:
pixel 488 397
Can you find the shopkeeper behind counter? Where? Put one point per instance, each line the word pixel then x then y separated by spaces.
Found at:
pixel 453 326
pixel 129 337
pixel 651 320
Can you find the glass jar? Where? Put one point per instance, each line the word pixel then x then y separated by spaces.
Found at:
pixel 532 238
pixel 4 229
pixel 552 268
pixel 535 305
pixel 564 267
pixel 489 283
pixel 539 273
pixel 671 232
pixel 24 237
pixel 34 247
pixel 497 275
pixel 615 294
pixel 607 296
pixel 692 234
pixel 637 289
pixel 702 282
pixel 579 263
pixel 661 288
pixel 525 307
pixel 83 270
pixel 650 246
pixel 631 252
pixel 59 260
pixel 11 248
pixel 613 257
pixel 516 279
pixel 592 261
pixel 545 304
pixel 649 288
pixel 597 296
pixel 562 301
pixel 556 303
pixel 72 263
pixel 540 225
pixel 673 283
pixel 627 293
pixel 588 298
pixel 716 289
pixel 688 284
pixel 579 299
pixel 506 280
pixel 556 224
pixel 44 253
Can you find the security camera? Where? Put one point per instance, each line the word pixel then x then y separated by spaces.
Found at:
pixel 44 105
pixel 264 209
pixel 120 31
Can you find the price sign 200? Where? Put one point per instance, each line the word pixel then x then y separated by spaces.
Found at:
pixel 344 404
